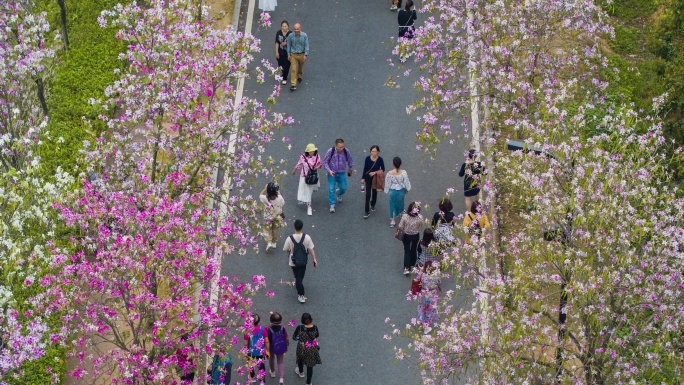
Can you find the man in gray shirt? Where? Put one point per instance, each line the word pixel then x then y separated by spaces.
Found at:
pixel 297 52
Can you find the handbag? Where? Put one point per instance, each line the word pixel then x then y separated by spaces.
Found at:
pixel 416 285
pixel 311 175
pixel 399 234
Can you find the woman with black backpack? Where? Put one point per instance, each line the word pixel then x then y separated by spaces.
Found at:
pixel 309 163
pixel 279 341
pixel 308 354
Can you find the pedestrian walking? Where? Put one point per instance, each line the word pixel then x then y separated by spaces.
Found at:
pixel 373 178
pixel 410 224
pixel 475 222
pixel 221 368
pixel 278 342
pixel 281 49
pixel 268 5
pixel 471 170
pixel 274 218
pixel 406 18
pixel 308 353
pixel 186 364
pixel 297 53
pixel 335 161
pixel 397 184
pixel 431 286
pixel 308 164
pixel 429 250
pixel 298 247
pixel 443 221
pixel 257 347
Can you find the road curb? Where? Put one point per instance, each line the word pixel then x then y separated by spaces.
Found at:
pixel 236 13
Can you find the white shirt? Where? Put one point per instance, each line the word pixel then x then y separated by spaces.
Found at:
pixel 273 208
pixel 289 246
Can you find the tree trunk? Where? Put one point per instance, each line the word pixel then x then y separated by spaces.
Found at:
pixel 562 316
pixel 41 94
pixel 65 36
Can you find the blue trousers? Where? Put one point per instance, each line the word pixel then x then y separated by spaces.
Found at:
pixel 341 179
pixel 396 202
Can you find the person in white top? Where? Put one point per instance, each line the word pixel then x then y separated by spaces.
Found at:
pixel 301 239
pixel 397 184
pixel 309 160
pixel 273 214
pixel 268 5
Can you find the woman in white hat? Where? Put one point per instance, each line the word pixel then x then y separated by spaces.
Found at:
pixel 309 163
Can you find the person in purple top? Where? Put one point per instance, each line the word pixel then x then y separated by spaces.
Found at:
pixel 335 162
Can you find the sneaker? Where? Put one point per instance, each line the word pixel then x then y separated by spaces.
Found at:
pixel 392 224
pixel 339 197
pixel 284 82
pixel 393 8
pixel 301 299
pixel 281 382
pixel 253 380
pixel 309 212
pixel 302 375
pixel 366 215
pixel 268 246
pixel 406 271
pixel 272 373
pixel 293 88
pixel 299 80
pixel 372 208
pixel 332 208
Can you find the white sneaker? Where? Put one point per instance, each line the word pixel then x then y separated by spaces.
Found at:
pixel 301 299
pixel 268 246
pixel 302 375
pixel 332 208
pixel 393 8
pixel 272 373
pixel 309 212
pixel 274 245
pixel 284 82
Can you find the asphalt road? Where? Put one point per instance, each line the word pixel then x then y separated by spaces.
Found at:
pixel 359 281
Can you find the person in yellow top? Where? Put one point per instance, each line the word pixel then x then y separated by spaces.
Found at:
pixel 475 222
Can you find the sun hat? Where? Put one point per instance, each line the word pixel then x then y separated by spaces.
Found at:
pixel 310 147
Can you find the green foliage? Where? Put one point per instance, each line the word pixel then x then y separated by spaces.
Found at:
pixel 82 73
pixel 670 48
pixel 630 10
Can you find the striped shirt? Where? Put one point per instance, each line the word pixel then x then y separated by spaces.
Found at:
pixel 297 44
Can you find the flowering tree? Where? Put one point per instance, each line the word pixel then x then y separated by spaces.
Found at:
pixel 27 220
pixel 519 56
pixel 167 197
pixel 600 301
pixel 612 267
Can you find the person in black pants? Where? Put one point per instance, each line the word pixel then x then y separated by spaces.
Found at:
pixel 299 271
pixel 410 224
pixel 372 166
pixel 281 49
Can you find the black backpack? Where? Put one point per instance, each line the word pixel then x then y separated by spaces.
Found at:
pixel 475 229
pixel 300 256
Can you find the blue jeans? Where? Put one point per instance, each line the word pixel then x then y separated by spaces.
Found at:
pixel 341 179
pixel 396 202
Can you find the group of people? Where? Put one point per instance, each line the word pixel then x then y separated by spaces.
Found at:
pixel 338 164
pixel 292 47
pixel 272 343
pixel 291 51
